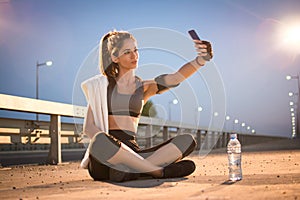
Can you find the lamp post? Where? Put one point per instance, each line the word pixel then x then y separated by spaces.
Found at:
pixel 243 124
pixel 296 133
pixel 236 121
pixel 48 64
pixel 227 118
pixel 198 110
pixel 174 101
pixel 248 128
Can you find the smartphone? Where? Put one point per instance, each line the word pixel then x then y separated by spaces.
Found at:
pixel 194 35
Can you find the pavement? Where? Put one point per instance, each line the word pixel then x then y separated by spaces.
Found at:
pixel 270 171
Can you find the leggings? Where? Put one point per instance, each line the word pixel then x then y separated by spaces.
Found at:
pixel 110 143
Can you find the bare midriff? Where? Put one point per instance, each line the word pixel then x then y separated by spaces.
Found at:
pixel 122 122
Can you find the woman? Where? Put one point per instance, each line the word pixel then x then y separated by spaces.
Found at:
pixel 115 101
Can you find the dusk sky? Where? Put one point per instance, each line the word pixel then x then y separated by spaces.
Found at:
pixel 252 53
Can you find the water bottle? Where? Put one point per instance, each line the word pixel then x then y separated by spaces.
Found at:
pixel 234 158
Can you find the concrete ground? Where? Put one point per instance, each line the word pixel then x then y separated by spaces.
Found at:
pixel 270 171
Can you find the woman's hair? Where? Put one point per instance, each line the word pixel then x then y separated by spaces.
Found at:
pixel 110 44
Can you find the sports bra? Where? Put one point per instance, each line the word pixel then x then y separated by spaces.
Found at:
pixel 125 104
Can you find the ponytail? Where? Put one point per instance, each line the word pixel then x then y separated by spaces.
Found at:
pixel 107 66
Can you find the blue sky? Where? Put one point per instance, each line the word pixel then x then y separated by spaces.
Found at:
pixel 249 54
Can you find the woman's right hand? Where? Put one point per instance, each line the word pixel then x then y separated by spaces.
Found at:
pixel 204 50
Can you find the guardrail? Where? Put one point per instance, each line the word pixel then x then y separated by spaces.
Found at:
pixel 57 129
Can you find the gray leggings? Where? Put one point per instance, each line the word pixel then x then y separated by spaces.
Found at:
pixel 104 146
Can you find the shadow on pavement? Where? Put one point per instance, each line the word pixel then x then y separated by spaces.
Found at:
pixel 148 183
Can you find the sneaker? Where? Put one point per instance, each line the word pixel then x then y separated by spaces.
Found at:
pixel 179 169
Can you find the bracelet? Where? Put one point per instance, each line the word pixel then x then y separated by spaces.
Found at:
pixel 198 62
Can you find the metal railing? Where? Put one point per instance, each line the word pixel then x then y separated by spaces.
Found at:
pixel 150 129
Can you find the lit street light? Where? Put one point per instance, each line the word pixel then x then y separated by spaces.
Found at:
pixel 173 102
pixel 216 114
pixel 243 124
pixel 198 110
pixel 236 121
pixel 227 118
pixel 48 64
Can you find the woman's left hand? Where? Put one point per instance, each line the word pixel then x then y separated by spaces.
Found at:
pixel 204 50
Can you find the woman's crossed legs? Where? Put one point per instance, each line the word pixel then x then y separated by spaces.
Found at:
pixel 153 161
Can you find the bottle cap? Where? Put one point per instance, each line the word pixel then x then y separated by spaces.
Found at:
pixel 233 136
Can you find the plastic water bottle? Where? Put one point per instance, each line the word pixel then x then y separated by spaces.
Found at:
pixel 234 158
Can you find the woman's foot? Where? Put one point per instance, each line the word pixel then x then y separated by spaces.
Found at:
pixel 179 169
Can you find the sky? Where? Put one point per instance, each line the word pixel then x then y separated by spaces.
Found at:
pixel 246 76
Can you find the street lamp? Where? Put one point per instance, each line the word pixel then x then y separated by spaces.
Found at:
pixel 296 133
pixel 227 118
pixel 243 124
pixel 174 102
pixel 198 110
pixel 236 121
pixel 248 128
pixel 48 64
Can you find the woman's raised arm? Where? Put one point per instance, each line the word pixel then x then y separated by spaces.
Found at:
pixel 166 81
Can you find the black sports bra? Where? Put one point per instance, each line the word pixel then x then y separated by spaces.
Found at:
pixel 125 104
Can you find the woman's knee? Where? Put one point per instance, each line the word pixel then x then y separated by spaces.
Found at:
pixel 186 143
pixel 103 146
